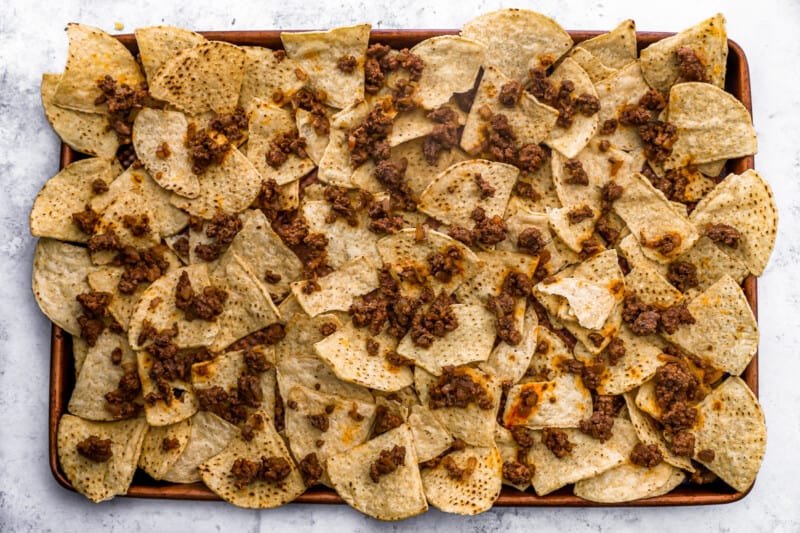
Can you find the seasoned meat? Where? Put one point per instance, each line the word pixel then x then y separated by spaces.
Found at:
pixel 455 388
pixel 723 234
pixel 95 449
pixel 387 462
pixel 557 442
pixel 647 455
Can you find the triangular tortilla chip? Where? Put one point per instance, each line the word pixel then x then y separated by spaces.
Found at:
pixel 560 403
pixel 712 263
pixel 725 332
pixel 314 373
pixel 68 192
pixel 80 349
pixel 509 450
pixel 248 307
pixel 569 141
pixel 712 124
pixel 84 132
pixel 647 431
pixel 99 376
pixel 334 165
pixel 493 268
pixel 451 66
pixel 269 75
pixel 744 201
pixel 473 495
pixel 640 362
pixel 651 217
pixel 59 275
pixel 590 303
pixel 731 425
pixel 628 482
pixel 170 168
pixel 394 496
pixel 318 54
pixel 454 194
pixel 708 40
pixel 651 287
pixel 158 44
pixel 93 54
pixel 588 457
pixel 316 142
pixel 337 290
pixel 531 120
pixel 414 123
pixel 229 187
pixel 517 40
pixel 302 332
pixel 209 435
pixel 430 437
pixel 470 342
pixel 162 446
pixel 345 242
pixel 181 404
pixel 261 494
pixel 100 481
pixel 616 48
pixel 623 88
pixel 205 77
pixel 346 352
pixel 267 121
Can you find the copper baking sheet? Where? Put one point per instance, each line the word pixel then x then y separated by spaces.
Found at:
pixel 62 368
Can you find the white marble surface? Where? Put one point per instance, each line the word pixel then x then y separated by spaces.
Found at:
pixel 32 41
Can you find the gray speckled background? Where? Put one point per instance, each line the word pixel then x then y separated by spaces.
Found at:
pixel 32 41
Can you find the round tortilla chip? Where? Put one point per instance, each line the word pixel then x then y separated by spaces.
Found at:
pixel 68 192
pixel 84 132
pixel 205 77
pixel 518 40
pixel 92 55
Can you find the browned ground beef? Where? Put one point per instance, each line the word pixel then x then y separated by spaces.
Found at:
pixel 455 388
pixel 387 462
pixel 95 449
pixel 557 442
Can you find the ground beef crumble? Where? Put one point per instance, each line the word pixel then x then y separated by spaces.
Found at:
pixel 691 66
pixel 204 149
pixel 270 469
pixel 284 144
pixel 557 442
pixel 310 468
pixel 385 420
pixel 232 125
pixel 723 234
pixel 646 455
pixel 459 473
pixel 576 175
pixel 682 275
pixel 517 473
pixel 95 449
pixel 206 305
pixel 435 321
pixel 387 462
pixel 455 388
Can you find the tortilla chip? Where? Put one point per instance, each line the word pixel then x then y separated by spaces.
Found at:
pixel 248 307
pixel 473 425
pixel 267 121
pixel 158 44
pixel 269 76
pixel 651 287
pixel 451 66
pixel 594 68
pixel 302 332
pixel 651 217
pixel 453 195
pixel 315 142
pixel 130 203
pixel 712 263
pixel 470 342
pixel 106 279
pixel 531 120
pixel 744 201
pixel 205 77
pixel 725 332
pixel 80 349
pixel 598 166
pixel 209 435
pixel 518 40
pixel 561 403
pixel 646 399
pixel 156 458
pixel 66 193
pixel 346 353
pixel 623 88
pixel 181 405
pixel 628 482
pixel 84 132
pixel 712 124
pixel 157 305
pixel 59 275
pixel 569 141
pixel 731 424
pixel 648 432
pixel 229 187
pixel 100 481
pixel 318 52
pixel 338 289
pixel 713 168
pixel 588 457
pixel 639 364
pixel 216 472
pixel 616 48
pixel 93 54
pixel 709 41
pixel 334 165
pixel 345 242
pixel 152 129
pixel 395 496
pixel 312 372
pixel 550 355
pixel 508 449
pixel 524 219
pixel 474 495
pixel 100 376
pixel 402 250
pixel 430 437
pixel 344 432
pixel 414 123
pixel 591 304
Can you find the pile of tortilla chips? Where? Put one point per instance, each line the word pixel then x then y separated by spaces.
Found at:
pixel 499 257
